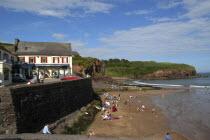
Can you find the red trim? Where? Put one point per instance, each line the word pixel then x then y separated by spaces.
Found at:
pixel 34 59
pixel 67 60
pixel 53 59
pixel 46 59
pixel 23 59
pixel 62 59
pixel 58 60
pixel 41 60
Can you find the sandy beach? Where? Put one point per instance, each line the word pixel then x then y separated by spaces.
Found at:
pixel 132 123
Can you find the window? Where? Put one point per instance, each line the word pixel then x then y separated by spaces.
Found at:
pixel 64 59
pixel 6 57
pixel 55 59
pixel 0 55
pixel 6 73
pixel 21 59
pixel 43 59
pixel 12 59
pixel 32 59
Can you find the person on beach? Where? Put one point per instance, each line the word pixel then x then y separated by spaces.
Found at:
pixel 46 129
pixel 143 107
pixel 167 137
pixel 153 110
pixel 89 134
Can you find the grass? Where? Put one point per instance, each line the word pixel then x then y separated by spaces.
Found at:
pixel 80 127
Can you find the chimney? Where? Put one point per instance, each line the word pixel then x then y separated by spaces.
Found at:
pixel 16 44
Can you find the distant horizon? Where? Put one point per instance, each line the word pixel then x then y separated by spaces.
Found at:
pixel 176 31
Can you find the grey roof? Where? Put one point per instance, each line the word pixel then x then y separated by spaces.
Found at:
pixel 43 48
pixel 6 47
pixel 3 48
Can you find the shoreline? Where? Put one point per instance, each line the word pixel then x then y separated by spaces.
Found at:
pixel 134 124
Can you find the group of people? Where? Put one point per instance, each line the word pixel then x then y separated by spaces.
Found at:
pixel 35 79
pixel 109 105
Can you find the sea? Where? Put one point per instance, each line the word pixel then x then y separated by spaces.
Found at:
pixel 188 111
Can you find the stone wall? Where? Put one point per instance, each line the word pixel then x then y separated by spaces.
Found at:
pixel 26 109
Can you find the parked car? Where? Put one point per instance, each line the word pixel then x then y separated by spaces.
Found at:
pixel 69 77
pixel 17 77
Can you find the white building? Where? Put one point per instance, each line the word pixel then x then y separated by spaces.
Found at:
pixel 50 58
pixel 6 61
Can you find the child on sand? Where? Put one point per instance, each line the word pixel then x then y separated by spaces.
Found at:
pixel 153 110
pixel 167 137
pixel 143 107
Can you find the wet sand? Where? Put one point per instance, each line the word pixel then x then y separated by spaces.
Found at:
pixel 135 124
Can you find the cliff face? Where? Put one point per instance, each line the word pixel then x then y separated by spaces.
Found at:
pixel 93 68
pixel 171 74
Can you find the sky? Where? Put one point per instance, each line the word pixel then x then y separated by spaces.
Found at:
pixel 176 31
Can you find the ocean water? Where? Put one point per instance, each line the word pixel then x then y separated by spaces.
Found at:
pixel 188 112
pixel 203 81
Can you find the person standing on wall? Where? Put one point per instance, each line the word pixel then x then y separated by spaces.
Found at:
pixel 41 77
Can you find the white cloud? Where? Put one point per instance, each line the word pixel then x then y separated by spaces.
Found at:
pixel 162 19
pixel 76 44
pixel 196 8
pixel 163 4
pixel 58 36
pixel 101 52
pixel 138 12
pixel 162 39
pixel 58 8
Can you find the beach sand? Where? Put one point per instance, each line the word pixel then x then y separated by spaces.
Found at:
pixel 132 123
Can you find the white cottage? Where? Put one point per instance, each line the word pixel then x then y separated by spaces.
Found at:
pixel 50 58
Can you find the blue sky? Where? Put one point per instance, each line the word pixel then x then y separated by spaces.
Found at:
pixel 176 31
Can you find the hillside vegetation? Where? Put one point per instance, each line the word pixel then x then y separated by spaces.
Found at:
pixel 125 68
pixel 84 61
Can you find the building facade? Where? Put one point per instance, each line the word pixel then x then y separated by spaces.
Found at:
pixel 7 59
pixel 53 59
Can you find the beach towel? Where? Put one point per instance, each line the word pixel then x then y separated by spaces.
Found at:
pixel 113 118
pixel 98 107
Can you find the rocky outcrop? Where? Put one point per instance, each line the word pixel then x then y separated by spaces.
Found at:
pixel 171 74
pixel 93 68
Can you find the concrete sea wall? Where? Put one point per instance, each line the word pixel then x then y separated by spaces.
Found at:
pixel 27 108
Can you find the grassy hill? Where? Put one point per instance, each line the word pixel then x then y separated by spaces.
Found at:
pixel 125 68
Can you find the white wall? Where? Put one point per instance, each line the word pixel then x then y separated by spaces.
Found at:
pixel 49 59
pixel 2 66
